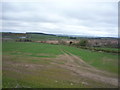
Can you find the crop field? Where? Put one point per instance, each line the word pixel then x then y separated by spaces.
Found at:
pixel 42 65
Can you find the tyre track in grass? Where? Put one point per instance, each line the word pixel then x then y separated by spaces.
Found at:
pixel 81 68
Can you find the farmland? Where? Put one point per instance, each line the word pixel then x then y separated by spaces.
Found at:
pixel 59 44
pixel 42 65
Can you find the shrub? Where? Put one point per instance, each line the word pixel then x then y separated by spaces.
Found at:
pixel 83 42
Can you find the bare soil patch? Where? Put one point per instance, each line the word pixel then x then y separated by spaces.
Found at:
pixel 81 68
pixel 69 62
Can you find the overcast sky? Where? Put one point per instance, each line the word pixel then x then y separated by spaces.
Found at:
pixel 68 17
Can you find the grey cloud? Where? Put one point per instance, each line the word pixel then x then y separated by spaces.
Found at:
pixel 96 12
pixel 61 17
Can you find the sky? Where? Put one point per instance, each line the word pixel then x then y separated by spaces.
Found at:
pixel 66 17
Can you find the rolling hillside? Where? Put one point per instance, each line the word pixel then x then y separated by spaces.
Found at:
pixel 29 64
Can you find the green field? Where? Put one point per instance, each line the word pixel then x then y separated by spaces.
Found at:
pixel 36 37
pixel 106 49
pixel 28 64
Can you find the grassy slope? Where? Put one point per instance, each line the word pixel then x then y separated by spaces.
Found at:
pixel 38 37
pixel 28 53
pixel 117 50
pixel 111 49
pixel 101 60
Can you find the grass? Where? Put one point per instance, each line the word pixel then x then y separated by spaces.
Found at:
pixel 112 49
pixel 35 37
pixel 41 79
pixel 33 48
pixel 116 50
pixel 22 53
pixel 100 60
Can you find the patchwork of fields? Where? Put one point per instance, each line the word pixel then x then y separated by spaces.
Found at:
pixel 40 65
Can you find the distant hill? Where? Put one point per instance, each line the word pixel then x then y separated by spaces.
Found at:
pixel 58 35
pixel 39 33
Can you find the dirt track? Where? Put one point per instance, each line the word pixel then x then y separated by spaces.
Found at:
pixel 80 68
pixel 72 63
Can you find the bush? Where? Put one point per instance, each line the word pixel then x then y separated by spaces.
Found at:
pixel 83 42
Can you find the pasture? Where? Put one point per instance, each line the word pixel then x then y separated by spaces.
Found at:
pixel 42 65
